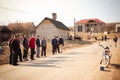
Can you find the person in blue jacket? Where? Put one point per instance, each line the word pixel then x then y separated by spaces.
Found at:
pixel 54 45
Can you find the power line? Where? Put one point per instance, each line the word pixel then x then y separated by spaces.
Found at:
pixel 25 12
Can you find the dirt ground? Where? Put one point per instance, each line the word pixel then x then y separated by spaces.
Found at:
pixel 69 44
pixel 74 64
pixel 115 63
pixel 110 73
pixel 113 71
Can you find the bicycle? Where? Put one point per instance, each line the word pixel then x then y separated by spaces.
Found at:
pixel 105 61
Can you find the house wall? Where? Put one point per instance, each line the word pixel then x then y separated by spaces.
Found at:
pixel 63 33
pixel 47 29
pixel 96 29
pixel 77 33
pixel 118 27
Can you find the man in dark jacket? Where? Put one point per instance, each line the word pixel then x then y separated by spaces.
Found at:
pixel 115 39
pixel 11 50
pixel 61 43
pixel 38 47
pixel 15 47
pixel 25 48
pixel 58 44
pixel 54 45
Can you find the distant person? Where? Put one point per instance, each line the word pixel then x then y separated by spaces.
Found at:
pixel 16 49
pixel 44 46
pixel 25 48
pixel 11 50
pixel 38 47
pixel 115 39
pixel 102 38
pixel 105 38
pixel 95 38
pixel 31 44
pixel 61 44
pixel 54 45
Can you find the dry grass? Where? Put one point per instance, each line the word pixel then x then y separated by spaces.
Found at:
pixel 109 36
pixel 4 57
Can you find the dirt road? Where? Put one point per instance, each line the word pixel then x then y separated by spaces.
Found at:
pixel 75 64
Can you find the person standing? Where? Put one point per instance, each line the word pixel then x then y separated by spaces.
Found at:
pixel 105 38
pixel 20 53
pixel 115 39
pixel 31 44
pixel 11 50
pixel 25 48
pixel 44 46
pixel 54 45
pixel 102 38
pixel 58 48
pixel 61 43
pixel 16 49
pixel 38 47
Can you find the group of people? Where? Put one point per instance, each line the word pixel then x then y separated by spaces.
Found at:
pixel 104 38
pixel 15 50
pixel 57 43
pixel 31 43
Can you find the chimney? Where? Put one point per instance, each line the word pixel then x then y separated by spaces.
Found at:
pixel 54 16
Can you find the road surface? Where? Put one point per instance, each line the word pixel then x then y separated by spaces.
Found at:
pixel 75 64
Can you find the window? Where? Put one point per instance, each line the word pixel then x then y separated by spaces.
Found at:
pixel 88 30
pixel 92 24
pixel 95 24
pixel 79 28
pixel 118 29
pixel 91 21
pixel 100 24
pixel 87 25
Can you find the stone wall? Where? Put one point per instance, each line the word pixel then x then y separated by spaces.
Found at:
pixel 47 29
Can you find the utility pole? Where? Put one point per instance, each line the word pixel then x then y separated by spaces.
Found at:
pixel 74 29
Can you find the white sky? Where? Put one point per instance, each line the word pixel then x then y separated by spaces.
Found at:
pixel 36 10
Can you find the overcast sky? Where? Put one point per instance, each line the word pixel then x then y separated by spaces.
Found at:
pixel 67 10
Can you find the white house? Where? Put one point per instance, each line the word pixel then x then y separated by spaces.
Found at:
pixel 118 27
pixel 51 27
pixel 93 25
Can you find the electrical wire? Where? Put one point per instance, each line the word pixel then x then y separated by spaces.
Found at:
pixel 25 12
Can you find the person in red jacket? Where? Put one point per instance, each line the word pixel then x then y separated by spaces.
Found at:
pixel 31 44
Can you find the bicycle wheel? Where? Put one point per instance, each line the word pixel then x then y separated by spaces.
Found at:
pixel 106 61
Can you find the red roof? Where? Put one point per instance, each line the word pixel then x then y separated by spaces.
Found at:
pixel 85 21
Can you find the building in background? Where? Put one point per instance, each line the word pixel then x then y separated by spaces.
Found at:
pixel 117 27
pixel 51 27
pixel 4 33
pixel 89 26
pixel 22 27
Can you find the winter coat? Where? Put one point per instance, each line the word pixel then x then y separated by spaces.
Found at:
pixel 31 42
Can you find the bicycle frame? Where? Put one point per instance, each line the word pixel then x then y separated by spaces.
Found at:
pixel 106 58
